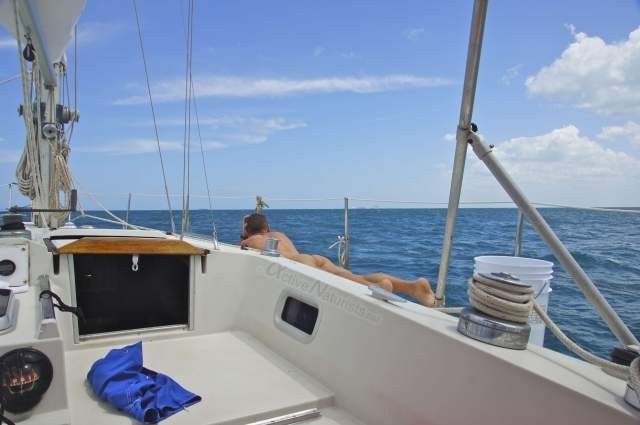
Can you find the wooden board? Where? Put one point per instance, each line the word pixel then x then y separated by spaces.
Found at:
pixel 106 245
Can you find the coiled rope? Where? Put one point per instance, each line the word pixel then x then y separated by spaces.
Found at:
pixel 501 300
pixel 515 302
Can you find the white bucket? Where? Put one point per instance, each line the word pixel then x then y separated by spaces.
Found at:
pixel 513 265
pixel 537 325
pixel 537 273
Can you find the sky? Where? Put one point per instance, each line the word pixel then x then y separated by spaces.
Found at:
pixel 321 100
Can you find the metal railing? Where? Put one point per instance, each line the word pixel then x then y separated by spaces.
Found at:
pixel 343 242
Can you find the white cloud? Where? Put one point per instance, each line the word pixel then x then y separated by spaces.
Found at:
pixel 220 86
pixel 319 50
pixel 413 34
pixel 449 137
pixel 93 32
pixel 235 130
pixel 594 74
pixel 629 131
pixel 510 74
pixel 348 54
pixel 236 122
pixel 563 155
pixel 7 43
pixel 143 146
pixel 229 131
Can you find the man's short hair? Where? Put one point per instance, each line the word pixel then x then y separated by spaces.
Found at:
pixel 255 223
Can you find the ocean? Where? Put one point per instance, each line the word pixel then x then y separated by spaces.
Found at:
pixel 408 242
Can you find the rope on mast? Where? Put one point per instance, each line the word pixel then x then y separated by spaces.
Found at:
pixel 29 183
pixel 153 114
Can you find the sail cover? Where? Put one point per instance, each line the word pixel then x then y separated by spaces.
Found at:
pixel 55 19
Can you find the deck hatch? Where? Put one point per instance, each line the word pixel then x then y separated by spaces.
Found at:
pixel 114 298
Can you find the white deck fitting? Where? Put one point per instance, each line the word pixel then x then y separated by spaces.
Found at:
pixel 238 378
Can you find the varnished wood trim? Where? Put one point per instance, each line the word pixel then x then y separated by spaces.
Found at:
pixel 119 245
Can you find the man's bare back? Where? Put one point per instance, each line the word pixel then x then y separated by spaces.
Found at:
pixel 286 247
pixel 256 230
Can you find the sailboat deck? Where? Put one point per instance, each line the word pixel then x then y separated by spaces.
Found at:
pixel 239 379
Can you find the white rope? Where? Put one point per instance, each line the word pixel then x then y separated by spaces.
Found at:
pixel 614 369
pixel 106 220
pixel 105 209
pixel 7 80
pixel 634 375
pixel 29 182
pixel 153 114
pixel 500 300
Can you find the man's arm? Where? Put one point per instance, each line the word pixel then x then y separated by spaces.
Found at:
pixel 255 241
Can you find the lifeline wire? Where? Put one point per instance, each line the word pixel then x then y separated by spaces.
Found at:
pixel 153 113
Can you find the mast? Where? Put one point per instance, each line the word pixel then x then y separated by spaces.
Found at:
pixel 43 30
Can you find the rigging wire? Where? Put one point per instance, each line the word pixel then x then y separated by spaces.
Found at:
pixel 153 113
pixel 204 169
pixel 75 83
pixel 186 152
pixel 202 150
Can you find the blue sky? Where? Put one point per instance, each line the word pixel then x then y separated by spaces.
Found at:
pixel 325 99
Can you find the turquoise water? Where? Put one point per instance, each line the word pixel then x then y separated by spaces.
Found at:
pixel 407 243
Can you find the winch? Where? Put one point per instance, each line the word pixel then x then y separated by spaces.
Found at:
pixel 501 305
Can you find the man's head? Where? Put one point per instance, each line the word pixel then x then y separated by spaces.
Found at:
pixel 254 224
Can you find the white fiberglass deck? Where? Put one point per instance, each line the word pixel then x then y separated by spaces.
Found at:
pixel 238 378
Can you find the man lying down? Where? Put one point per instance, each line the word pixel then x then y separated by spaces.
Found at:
pixel 256 229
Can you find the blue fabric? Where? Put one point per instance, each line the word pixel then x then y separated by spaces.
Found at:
pixel 120 379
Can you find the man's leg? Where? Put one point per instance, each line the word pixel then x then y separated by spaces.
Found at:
pixel 326 265
pixel 419 289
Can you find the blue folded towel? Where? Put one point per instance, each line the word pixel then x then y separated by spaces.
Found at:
pixel 120 379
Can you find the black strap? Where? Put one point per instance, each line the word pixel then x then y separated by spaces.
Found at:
pixel 77 311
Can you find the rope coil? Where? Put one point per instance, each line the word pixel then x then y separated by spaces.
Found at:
pixel 501 300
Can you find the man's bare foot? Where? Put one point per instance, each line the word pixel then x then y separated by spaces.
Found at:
pixel 384 284
pixel 423 292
